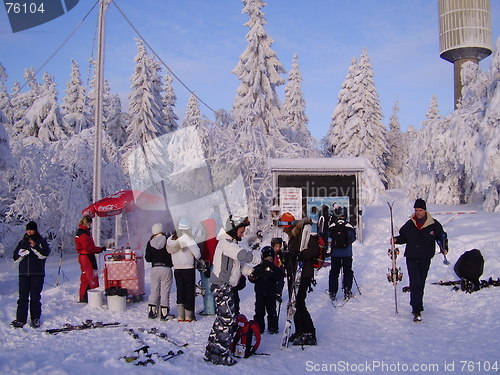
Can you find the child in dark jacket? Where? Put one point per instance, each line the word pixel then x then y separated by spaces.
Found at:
pixel 266 276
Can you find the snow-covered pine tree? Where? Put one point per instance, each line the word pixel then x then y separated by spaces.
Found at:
pixel 336 133
pixel 73 106
pixel 357 128
pixel 257 104
pixel 485 172
pixel 44 116
pixel 398 153
pixel 5 102
pixel 22 102
pixel 433 111
pixel 294 108
pixel 143 149
pixel 116 123
pixel 169 100
pixel 257 117
pixel 6 159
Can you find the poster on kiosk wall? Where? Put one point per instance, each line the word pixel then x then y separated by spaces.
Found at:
pixel 291 201
pixel 330 202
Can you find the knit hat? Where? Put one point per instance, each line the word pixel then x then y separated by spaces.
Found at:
pixel 183 224
pixel 32 226
pixel 420 203
pixel 157 228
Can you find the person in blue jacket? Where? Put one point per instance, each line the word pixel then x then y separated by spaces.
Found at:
pixel 341 236
pixel 420 234
pixel 31 253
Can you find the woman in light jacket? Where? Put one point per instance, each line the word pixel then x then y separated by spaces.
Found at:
pixel 184 252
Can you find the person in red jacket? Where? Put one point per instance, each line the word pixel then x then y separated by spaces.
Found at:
pixel 86 249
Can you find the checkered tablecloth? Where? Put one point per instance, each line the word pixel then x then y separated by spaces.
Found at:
pixel 128 273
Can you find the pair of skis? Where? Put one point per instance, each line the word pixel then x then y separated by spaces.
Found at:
pixel 291 308
pixel 142 357
pixel 88 324
pixel 394 275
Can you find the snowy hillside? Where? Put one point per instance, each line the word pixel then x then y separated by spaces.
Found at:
pixel 364 336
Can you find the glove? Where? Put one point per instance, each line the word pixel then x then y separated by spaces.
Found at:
pixel 103 249
pixel 23 252
pixel 278 298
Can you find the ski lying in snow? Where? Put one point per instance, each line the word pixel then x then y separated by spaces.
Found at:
pixel 88 324
pixel 394 275
pixel 149 358
pixel 163 335
pixel 291 308
pixel 142 355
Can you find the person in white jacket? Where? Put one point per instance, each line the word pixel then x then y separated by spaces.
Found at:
pixel 184 252
pixel 229 264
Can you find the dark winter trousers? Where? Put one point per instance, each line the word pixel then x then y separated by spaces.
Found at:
pixel 345 264
pixel 223 329
pixel 265 303
pixel 30 290
pixel 417 273
pixel 302 318
pixel 185 280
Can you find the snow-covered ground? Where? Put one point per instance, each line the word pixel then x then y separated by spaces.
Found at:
pixel 459 333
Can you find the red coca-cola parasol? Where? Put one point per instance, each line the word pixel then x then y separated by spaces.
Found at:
pixel 125 200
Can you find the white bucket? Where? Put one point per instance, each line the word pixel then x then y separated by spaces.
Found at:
pixel 117 303
pixel 95 297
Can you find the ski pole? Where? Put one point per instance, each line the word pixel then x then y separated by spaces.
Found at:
pixel 356 282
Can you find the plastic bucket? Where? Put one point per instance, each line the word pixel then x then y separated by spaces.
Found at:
pixel 117 303
pixel 95 297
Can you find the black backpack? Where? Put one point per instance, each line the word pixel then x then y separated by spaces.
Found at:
pixel 339 235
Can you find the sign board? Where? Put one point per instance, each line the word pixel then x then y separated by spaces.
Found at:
pixel 291 201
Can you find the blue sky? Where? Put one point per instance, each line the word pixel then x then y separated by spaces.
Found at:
pixel 202 40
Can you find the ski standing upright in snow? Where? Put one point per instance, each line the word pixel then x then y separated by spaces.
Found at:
pixel 394 275
pixel 306 233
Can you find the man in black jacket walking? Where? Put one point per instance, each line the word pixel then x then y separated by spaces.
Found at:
pixel 420 235
pixel 30 253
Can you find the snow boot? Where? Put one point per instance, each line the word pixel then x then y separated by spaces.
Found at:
pixel 17 324
pixel 152 312
pixel 181 313
pixel 272 324
pixel 165 313
pixel 189 316
pixel 306 338
pixel 417 317
pixel 347 294
pixel 35 323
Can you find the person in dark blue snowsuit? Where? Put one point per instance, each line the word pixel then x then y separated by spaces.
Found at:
pixel 420 235
pixel 31 253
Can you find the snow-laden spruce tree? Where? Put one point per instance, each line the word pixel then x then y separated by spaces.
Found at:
pixel 44 114
pixel 22 102
pixel 76 159
pixel 115 125
pixel 398 151
pixel 6 159
pixel 257 116
pixel 486 168
pixel 5 102
pixel 449 155
pixel 169 100
pixel 259 70
pixel 432 111
pixel 356 128
pixel 336 132
pixel 294 108
pixel 143 149
pixel 73 108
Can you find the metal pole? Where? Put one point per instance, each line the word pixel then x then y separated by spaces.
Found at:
pixel 103 5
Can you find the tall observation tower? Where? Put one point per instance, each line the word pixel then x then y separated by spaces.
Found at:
pixel 464 34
